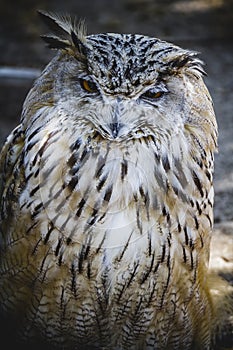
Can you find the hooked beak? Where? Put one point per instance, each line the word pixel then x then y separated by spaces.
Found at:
pixel 113 128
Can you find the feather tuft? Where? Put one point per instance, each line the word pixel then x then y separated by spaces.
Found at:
pixel 66 33
pixel 55 43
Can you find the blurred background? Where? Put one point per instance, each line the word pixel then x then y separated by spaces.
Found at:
pixel 205 26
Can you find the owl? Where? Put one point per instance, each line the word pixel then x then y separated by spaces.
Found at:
pixel 107 197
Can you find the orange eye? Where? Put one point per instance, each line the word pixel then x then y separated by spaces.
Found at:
pixel 88 85
pixel 152 94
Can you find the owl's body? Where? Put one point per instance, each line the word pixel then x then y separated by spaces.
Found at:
pixel 107 198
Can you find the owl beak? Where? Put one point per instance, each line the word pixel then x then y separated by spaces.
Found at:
pixel 114 127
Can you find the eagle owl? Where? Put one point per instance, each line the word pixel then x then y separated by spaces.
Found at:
pixel 107 197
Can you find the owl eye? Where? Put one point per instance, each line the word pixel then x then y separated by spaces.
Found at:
pixel 88 85
pixel 152 94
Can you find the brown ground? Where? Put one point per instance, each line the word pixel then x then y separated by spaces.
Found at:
pixel 201 25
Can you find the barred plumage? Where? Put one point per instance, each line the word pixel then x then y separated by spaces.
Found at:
pixel 107 197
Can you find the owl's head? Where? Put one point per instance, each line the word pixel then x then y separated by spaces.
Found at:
pixel 122 86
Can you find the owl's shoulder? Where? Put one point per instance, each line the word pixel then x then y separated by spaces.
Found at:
pixel 9 156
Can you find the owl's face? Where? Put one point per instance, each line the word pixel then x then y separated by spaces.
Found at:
pixel 122 87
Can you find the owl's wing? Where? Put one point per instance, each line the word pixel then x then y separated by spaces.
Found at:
pixel 10 173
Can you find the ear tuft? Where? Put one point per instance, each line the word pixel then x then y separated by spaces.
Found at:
pixel 54 23
pixel 55 43
pixel 66 34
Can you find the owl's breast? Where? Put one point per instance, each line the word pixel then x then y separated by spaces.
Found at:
pixel 111 234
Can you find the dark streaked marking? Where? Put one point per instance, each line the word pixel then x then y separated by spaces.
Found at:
pixel 101 183
pixel 73 159
pixel 146 275
pixel 73 183
pixel 36 173
pixel 60 259
pixel 62 303
pixel 84 155
pixel 35 160
pixel 83 255
pixel 93 217
pixel 198 183
pixel 139 223
pixel 208 175
pixel 198 208
pixel 138 307
pixel 48 233
pixel 186 235
pixel 36 246
pixel 191 260
pixel 102 216
pixel 201 238
pixel 31 227
pixel 108 194
pixel 62 297
pixel 75 146
pixel 149 243
pixel 164 211
pixel 101 243
pixel 175 189
pixel 86 251
pixel 165 287
pixel 151 297
pixel 141 191
pixel 30 145
pixel 124 169
pixel 168 258
pixel 179 227
pixel 30 175
pixel 80 207
pixel 133 274
pixel 168 218
pixel 156 267
pixel 34 133
pixel 80 262
pixel 59 244
pixel 73 280
pixel 120 292
pixel 192 202
pixel 46 143
pixel 184 254
pixel 68 240
pixel 210 221
pixel 125 248
pixel 36 211
pixel 169 241
pixel 196 223
pixel 166 164
pixel 105 283
pixel 89 269
pixel 191 243
pixel 43 261
pixel 180 61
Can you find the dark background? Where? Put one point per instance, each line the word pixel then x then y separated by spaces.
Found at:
pixel 205 26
